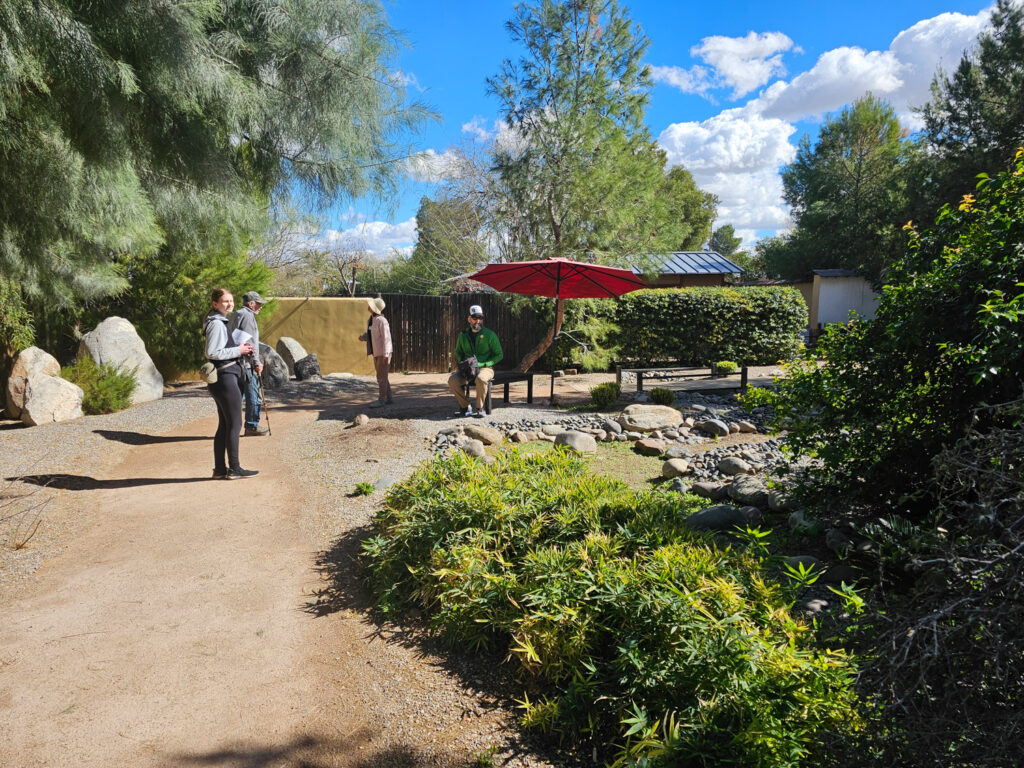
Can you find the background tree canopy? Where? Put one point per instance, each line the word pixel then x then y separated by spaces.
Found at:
pixel 140 141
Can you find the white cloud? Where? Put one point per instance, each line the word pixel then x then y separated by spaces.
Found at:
pixel 744 63
pixel 736 155
pixel 740 63
pixel 406 80
pixel 693 80
pixel 901 75
pixel 477 127
pixel 433 167
pixel 377 237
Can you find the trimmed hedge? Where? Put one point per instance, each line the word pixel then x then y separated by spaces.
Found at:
pixel 698 326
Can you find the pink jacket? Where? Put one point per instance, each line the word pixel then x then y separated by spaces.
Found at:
pixel 380 334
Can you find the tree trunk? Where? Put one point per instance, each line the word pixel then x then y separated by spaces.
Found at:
pixel 534 354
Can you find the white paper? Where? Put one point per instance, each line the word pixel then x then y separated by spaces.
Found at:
pixel 240 337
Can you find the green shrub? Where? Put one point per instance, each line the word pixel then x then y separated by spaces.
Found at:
pixel 637 634
pixel 726 367
pixel 661 396
pixel 605 395
pixel 363 489
pixel 696 326
pixel 891 393
pixel 106 387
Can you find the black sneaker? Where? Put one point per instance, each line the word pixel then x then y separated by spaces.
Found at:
pixel 478 414
pixel 238 474
pixel 254 432
pixel 219 474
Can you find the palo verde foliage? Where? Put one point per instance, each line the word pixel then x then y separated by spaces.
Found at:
pixel 638 632
pixel 697 326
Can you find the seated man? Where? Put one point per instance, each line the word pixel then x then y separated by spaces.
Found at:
pixel 481 344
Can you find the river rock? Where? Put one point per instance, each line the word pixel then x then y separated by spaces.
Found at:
pixel 746 489
pixel 611 427
pixel 715 427
pixel 746 427
pixel 649 447
pixel 521 436
pixel 731 465
pixel 115 341
pixel 473 448
pixel 648 418
pixel 722 517
pixel 713 491
pixel 486 435
pixel 360 420
pixel 552 429
pixel 580 442
pixel 675 468
pixel 49 399
pixel 678 452
pixel 290 351
pixel 29 362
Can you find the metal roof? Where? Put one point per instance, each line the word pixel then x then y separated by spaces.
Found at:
pixel 837 272
pixel 696 263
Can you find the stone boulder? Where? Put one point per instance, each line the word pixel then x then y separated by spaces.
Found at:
pixel 713 491
pixel 715 427
pixel 746 489
pixel 486 435
pixel 50 399
pixel 675 468
pixel 731 465
pixel 648 418
pixel 29 362
pixel 580 442
pixel 473 448
pixel 275 371
pixel 722 517
pixel 115 341
pixel 649 447
pixel 678 452
pixel 552 429
pixel 308 368
pixel 611 427
pixel 290 351
pixel 522 436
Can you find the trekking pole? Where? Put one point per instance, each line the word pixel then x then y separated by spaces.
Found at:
pixel 266 408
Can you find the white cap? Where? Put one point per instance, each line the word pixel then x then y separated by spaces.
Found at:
pixel 476 309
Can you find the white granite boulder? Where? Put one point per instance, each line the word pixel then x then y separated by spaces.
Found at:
pixel 29 362
pixel 290 351
pixel 49 399
pixel 486 435
pixel 115 341
pixel 648 418
pixel 580 442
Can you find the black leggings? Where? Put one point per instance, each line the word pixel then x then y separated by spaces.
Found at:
pixel 227 393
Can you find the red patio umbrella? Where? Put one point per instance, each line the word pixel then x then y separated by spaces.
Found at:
pixel 559 279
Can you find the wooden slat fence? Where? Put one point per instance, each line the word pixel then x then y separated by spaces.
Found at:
pixel 424 328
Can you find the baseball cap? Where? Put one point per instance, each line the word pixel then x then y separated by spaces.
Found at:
pixel 476 310
pixel 253 296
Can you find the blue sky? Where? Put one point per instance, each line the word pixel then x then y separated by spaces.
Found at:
pixel 737 83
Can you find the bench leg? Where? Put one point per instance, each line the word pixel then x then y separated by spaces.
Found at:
pixel 743 379
pixel 487 399
pixel 506 391
pixel 529 389
pixel 639 381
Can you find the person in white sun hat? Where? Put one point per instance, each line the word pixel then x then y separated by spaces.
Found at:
pixel 478 350
pixel 378 344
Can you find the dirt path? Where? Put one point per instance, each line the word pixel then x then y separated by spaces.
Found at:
pixel 176 630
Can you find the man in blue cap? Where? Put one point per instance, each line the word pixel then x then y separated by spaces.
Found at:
pixel 245 320
pixel 477 349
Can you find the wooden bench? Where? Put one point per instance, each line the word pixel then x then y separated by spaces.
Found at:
pixel 661 372
pixel 505 378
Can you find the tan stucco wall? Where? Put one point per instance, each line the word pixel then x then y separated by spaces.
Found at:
pixel 330 327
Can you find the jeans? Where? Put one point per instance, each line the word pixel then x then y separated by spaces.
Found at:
pixel 253 402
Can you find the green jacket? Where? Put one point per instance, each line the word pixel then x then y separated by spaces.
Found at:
pixel 486 348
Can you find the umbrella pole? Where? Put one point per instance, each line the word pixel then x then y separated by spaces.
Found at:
pixel 554 339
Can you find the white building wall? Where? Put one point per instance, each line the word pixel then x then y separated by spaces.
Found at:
pixel 837 296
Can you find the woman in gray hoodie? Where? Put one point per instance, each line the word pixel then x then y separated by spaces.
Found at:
pixel 226 391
